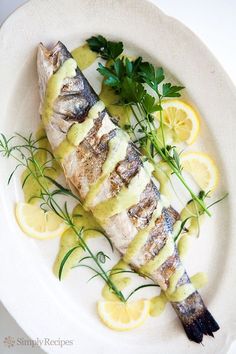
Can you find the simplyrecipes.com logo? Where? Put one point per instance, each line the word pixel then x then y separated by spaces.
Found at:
pixel 10 342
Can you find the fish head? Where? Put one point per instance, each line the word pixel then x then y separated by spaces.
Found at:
pixel 49 61
pixel 75 98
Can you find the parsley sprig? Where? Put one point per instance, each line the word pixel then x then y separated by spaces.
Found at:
pixel 106 49
pixel 133 80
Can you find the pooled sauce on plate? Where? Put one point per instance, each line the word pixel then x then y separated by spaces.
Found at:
pixel 69 239
pixel 123 113
pixel 84 56
pixel 157 304
pixel 118 278
pixel 31 188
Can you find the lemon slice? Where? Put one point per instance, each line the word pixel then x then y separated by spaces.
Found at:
pixel 202 168
pixel 123 316
pixel 181 120
pixel 37 223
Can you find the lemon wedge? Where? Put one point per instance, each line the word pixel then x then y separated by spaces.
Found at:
pixel 202 169
pixel 180 119
pixel 37 223
pixel 123 316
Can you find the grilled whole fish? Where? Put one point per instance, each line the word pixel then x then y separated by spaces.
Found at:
pixel 107 172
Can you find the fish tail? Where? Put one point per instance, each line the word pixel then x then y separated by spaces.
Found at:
pixel 204 323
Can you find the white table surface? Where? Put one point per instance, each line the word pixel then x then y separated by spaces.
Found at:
pixel 214 21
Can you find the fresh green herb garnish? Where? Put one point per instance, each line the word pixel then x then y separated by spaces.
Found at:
pixel 130 80
pixel 24 154
pixel 197 213
pixel 182 228
pixel 106 49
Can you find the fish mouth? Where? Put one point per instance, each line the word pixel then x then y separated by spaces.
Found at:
pixel 49 51
pixel 53 56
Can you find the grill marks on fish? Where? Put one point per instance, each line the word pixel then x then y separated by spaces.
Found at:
pixel 125 170
pixel 91 155
pixel 156 241
pixel 84 167
pixel 168 269
pixel 141 213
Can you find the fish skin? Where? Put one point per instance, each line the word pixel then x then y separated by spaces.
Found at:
pixel 84 166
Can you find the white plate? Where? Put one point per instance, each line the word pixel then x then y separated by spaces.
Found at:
pixel 47 308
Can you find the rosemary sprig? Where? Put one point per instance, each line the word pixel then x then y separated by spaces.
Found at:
pixel 24 154
pixel 182 228
pixel 196 213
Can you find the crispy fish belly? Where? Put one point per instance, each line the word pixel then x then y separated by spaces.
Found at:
pixel 108 173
